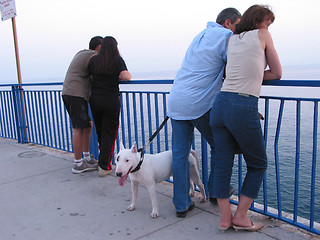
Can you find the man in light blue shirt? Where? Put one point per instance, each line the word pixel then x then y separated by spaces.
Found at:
pixel 193 92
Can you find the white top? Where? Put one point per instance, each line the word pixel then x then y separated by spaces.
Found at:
pixel 245 65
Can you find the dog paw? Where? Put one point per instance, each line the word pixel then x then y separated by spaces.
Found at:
pixel 154 215
pixel 131 208
pixel 202 200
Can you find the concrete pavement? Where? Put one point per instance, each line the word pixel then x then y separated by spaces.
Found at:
pixel 40 198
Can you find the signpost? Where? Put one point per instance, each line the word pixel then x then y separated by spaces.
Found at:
pixel 8 10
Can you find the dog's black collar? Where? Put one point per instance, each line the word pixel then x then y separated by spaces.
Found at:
pixel 141 160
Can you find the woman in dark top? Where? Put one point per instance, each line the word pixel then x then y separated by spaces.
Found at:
pixel 106 69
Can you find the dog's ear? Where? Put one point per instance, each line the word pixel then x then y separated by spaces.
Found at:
pixel 121 145
pixel 134 148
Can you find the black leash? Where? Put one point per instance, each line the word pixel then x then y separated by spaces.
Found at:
pixel 149 141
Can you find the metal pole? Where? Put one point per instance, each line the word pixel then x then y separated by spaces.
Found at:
pixel 15 38
pixel 16 48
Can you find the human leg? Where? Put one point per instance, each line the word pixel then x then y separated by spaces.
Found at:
pixel 256 160
pixel 77 142
pixel 246 129
pixel 223 161
pixel 105 157
pixel 226 213
pixel 86 145
pixel 244 125
pixel 181 144
pixel 241 214
pixel 80 165
pixel 203 126
pixel 223 151
pixel 87 137
pixel 241 221
pixel 109 129
pixel 222 174
pixel 77 109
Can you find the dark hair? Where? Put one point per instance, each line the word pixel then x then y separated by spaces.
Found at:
pixel 95 42
pixel 228 13
pixel 106 61
pixel 253 15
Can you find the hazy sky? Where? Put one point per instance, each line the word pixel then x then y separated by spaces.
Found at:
pixel 152 35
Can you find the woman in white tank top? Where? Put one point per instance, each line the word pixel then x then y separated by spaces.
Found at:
pixel 234 116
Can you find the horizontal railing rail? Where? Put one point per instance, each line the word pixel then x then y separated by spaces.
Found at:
pixel 292 83
pixel 35 113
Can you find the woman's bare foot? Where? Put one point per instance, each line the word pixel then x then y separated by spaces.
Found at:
pixel 243 221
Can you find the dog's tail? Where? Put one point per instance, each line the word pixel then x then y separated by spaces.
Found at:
pixel 194 154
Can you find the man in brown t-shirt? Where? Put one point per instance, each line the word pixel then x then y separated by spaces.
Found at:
pixel 75 95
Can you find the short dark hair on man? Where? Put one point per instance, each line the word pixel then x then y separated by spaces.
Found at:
pixel 95 42
pixel 228 13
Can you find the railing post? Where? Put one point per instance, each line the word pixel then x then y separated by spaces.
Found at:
pixel 94 145
pixel 19 110
pixel 204 162
pixel 16 112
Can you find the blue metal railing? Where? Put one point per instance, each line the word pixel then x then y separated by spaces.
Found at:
pixel 291 187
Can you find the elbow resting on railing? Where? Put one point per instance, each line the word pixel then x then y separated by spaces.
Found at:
pixel 125 75
pixel 272 75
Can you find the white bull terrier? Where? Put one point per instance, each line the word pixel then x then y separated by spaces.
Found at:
pixel 155 168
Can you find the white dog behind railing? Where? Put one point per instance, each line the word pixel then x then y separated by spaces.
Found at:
pixel 155 168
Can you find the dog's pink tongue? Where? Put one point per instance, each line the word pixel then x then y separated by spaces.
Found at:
pixel 122 180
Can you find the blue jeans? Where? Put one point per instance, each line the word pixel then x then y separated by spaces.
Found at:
pixel 234 120
pixel 182 133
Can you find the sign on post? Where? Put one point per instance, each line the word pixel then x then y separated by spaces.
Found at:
pixel 8 9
